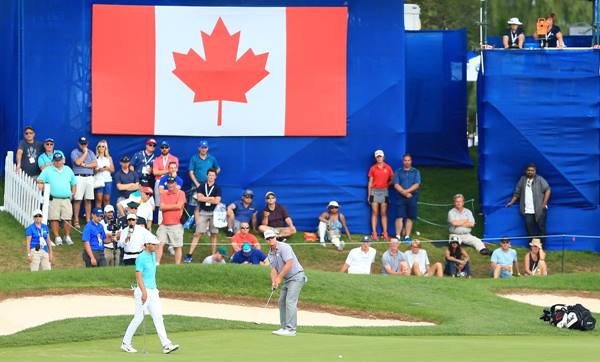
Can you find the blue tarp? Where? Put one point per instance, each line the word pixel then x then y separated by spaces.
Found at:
pixel 541 106
pixel 436 98
pixel 52 56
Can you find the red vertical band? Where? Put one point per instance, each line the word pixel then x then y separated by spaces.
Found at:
pixel 123 69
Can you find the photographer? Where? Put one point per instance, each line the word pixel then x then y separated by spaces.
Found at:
pixel 132 239
pixel 111 252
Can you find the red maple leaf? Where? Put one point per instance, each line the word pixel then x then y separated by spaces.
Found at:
pixel 221 76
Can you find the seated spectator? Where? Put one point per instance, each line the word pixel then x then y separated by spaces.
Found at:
pixel 276 217
pixel 249 255
pixel 504 259
pixel 104 170
pixel 146 207
pixel 28 152
pixel 241 211
pixel 535 260
pixel 553 37
pixel 242 237
pixel 94 238
pixel 360 260
pixel 418 261
pixel 331 224
pixel 393 261
pixel 218 257
pixel 46 158
pixel 38 244
pixel 514 37
pixel 461 222
pixel 127 181
pixel 457 260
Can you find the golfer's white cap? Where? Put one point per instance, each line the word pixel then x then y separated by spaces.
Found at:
pixel 109 208
pixel 152 240
pixel 269 234
pixel 378 153
pixel 514 21
pixel 333 203
pixel 131 216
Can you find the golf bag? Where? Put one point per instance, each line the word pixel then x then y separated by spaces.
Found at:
pixel 569 316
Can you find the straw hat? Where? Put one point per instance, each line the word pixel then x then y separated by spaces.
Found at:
pixel 536 242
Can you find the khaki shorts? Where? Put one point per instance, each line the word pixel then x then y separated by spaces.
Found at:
pixel 85 188
pixel 39 260
pixel 60 209
pixel 170 234
pixel 206 223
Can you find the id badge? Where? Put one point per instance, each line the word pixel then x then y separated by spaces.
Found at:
pixel 43 242
pixel 146 170
pixel 31 159
pixel 207 204
pixel 99 240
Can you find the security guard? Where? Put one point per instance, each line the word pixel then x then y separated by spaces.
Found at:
pixel 94 238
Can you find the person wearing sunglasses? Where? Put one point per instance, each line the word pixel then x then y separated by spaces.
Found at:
pixel 28 152
pixel 46 158
pixel 160 167
pixel 242 237
pixel 241 211
pixel 504 261
pixel 331 224
pixel 141 162
pixel 275 217
pixel 38 244
pixel 381 177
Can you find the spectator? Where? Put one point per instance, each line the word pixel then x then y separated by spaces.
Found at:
pixel 533 193
pixel 46 158
pixel 170 230
pixel 331 223
pixel 535 260
pixel 418 262
pixel 461 222
pixel 38 244
pixel 380 179
pixel 216 258
pixel 112 253
pixel 104 170
pixel 457 259
pixel 407 181
pixel 127 181
pixel 132 208
pixel 200 163
pixel 63 185
pixel 94 238
pixel 513 38
pixel 553 37
pixel 275 216
pixel 242 237
pixel 249 255
pixel 160 167
pixel 504 259
pixel 173 168
pixel 393 261
pixel 28 152
pixel 241 211
pixel 146 208
pixel 84 163
pixel 141 162
pixel 360 260
pixel 132 239
pixel 208 195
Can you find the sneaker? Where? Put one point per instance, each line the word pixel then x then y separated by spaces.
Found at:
pixel 461 274
pixel 398 237
pixel 374 236
pixel 170 348
pixel 58 241
pixel 171 250
pixel 68 240
pixel 407 239
pixel 485 251
pixel 278 332
pixel 187 259
pixel 230 233
pixel 385 235
pixel 128 348
pixel 323 244
pixel 287 333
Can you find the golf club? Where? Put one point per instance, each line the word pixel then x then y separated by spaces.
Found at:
pixel 270 296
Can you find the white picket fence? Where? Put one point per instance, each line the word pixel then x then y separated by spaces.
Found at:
pixel 22 195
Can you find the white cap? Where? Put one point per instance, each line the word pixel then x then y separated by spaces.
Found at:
pixel 152 240
pixel 109 208
pixel 514 21
pixel 269 233
pixel 131 216
pixel 379 153
pixel 37 212
pixel 333 203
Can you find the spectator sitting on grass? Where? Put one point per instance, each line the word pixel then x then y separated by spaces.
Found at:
pixel 457 259
pixel 331 224
pixel 360 260
pixel 535 260
pixel 249 255
pixel 241 211
pixel 276 217
pixel 418 261
pixel 461 221
pixel 218 257
pixel 504 259
pixel 393 261
pixel 243 236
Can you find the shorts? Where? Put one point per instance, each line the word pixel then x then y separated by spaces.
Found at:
pixel 170 234
pixel 105 190
pixel 156 194
pixel 379 196
pixel 206 222
pixel 407 208
pixel 85 188
pixel 60 209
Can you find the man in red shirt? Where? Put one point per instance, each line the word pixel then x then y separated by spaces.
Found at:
pixel 243 236
pixel 380 179
pixel 160 167
pixel 170 230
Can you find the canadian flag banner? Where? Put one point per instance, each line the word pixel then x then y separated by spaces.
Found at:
pixel 219 71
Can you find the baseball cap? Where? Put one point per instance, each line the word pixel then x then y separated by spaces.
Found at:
pixel 514 21
pixel 150 140
pixel 57 156
pixel 28 127
pixel 203 143
pixel 125 158
pixel 152 240
pixel 366 239
pixel 379 153
pixel 269 193
pixel 147 190
pixel 131 217
pixel 246 248
pixel 269 234
pixel 222 250
pixel 133 204
pixel 333 203
pixel 49 139
pixel 170 179
pixel 164 143
pixel 109 208
pixel 454 239
pixel 248 192
pixel 83 140
pixel 98 211
pixel 37 212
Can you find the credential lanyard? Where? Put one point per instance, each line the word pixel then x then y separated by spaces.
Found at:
pixel 206 191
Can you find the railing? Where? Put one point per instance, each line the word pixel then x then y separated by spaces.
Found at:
pixel 22 195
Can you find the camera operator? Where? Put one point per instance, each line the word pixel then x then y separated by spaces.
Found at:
pixel 132 239
pixel 112 253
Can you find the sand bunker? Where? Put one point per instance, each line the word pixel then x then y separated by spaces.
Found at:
pixel 17 314
pixel 547 300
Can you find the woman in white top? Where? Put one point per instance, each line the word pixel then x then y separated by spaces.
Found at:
pixel 103 175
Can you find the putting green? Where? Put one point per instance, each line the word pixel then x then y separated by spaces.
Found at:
pixel 248 345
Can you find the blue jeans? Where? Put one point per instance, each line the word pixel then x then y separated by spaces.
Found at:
pixel 451 268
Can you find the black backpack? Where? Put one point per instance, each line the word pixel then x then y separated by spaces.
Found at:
pixel 578 317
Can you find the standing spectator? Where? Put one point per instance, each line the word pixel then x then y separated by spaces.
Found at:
pixel 331 224
pixel 407 181
pixel 461 222
pixel 457 259
pixel 208 195
pixel 104 170
pixel 200 163
pixel 553 37
pixel 380 179
pixel 275 216
pixel 535 260
pixel 513 38
pixel 132 239
pixel 94 238
pixel 418 262
pixel 504 261
pixel 38 244
pixel 218 257
pixel 46 158
pixel 170 230
pixel 249 255
pixel 28 152
pixel 393 261
pixel 141 162
pixel 360 260
pixel 127 181
pixel 63 185
pixel 242 237
pixel 84 163
pixel 241 211
pixel 533 193
pixel 112 253
pixel 173 169
pixel 146 207
pixel 160 167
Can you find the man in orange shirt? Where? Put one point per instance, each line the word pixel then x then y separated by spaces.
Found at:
pixel 170 230
pixel 243 236
pixel 380 179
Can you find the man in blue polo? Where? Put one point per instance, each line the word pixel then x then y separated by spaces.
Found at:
pixel 249 255
pixel 94 238
pixel 200 163
pixel 407 181
pixel 37 240
pixel 241 211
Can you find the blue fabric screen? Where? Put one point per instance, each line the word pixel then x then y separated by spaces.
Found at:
pixel 542 107
pixel 305 172
pixel 574 41
pixel 436 98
